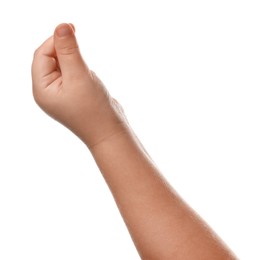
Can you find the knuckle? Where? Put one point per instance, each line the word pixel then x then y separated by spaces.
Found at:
pixel 36 52
pixel 68 50
pixel 93 75
pixel 117 106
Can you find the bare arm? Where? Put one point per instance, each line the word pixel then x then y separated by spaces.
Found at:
pixel 161 224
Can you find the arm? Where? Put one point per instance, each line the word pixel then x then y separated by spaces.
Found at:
pixel 161 224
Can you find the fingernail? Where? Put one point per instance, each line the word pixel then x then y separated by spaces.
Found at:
pixel 64 30
pixel 73 27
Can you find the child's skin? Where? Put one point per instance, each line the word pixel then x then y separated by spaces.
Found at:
pixel 161 224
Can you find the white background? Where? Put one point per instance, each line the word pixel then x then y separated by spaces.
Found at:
pixel 189 75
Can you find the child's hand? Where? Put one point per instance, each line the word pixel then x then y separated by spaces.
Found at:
pixel 65 88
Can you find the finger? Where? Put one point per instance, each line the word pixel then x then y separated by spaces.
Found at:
pixel 67 50
pixel 44 62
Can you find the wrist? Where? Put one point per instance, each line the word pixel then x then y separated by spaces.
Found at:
pixel 106 135
pixel 111 123
pixel 98 121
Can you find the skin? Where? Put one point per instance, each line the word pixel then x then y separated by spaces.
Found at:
pixel 161 224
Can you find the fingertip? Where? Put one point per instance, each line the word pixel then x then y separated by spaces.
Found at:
pixel 64 30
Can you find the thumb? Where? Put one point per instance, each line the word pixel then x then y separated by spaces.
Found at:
pixel 67 51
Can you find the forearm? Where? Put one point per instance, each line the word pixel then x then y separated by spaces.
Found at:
pixel 161 224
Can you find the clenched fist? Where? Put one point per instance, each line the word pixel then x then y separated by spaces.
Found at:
pixel 66 89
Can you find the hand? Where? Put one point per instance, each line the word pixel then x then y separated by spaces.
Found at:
pixel 66 89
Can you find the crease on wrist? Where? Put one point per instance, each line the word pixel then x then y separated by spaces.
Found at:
pixel 123 129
